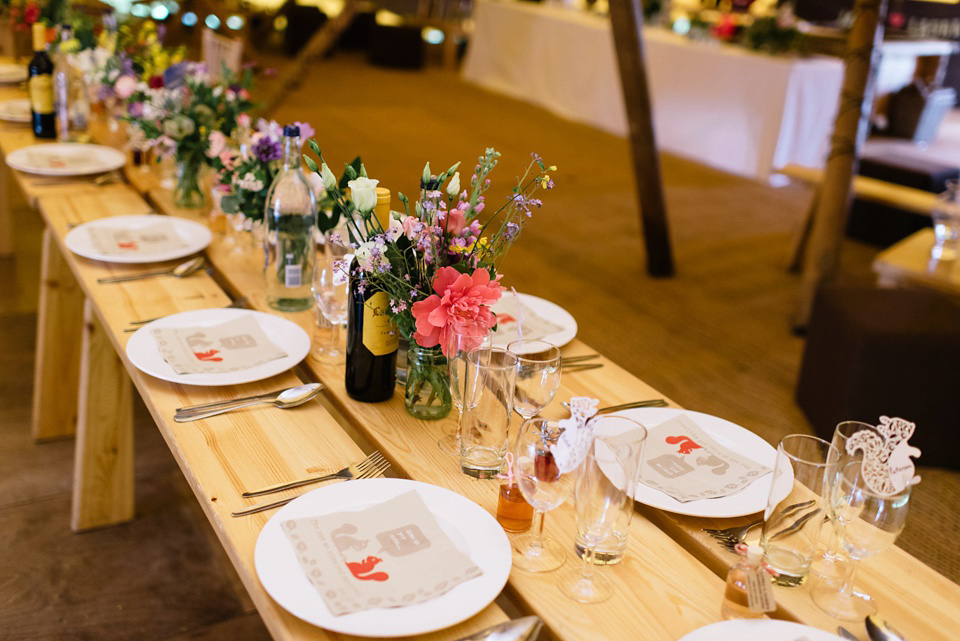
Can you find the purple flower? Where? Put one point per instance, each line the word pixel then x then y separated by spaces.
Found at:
pixel 511 231
pixel 135 109
pixel 306 131
pixel 268 149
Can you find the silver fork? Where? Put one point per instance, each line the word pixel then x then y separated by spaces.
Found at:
pixel 240 303
pixel 731 536
pixel 351 473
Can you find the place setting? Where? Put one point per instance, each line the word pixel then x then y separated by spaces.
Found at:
pixel 11 74
pixel 138 239
pixel 17 110
pixel 66 160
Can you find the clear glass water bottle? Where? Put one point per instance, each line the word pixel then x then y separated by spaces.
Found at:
pixel 61 84
pixel 290 216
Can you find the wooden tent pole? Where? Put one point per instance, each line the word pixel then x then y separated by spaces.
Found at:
pixel 626 17
pixel 849 133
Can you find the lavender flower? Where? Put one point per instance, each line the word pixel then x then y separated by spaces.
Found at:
pixel 268 149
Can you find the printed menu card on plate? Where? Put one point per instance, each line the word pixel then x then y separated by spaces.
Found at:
pixel 150 239
pixel 686 464
pixel 389 555
pixel 227 347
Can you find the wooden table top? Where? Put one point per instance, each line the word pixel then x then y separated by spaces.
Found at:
pixel 909 263
pixel 670 583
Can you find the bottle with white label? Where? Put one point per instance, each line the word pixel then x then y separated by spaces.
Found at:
pixel 749 591
pixel 290 217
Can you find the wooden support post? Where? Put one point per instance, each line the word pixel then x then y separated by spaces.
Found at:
pixel 103 462
pixel 626 16
pixel 6 223
pixel 316 47
pixel 850 131
pixel 56 371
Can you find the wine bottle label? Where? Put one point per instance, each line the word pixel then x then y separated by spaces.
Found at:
pixel 41 94
pixel 379 334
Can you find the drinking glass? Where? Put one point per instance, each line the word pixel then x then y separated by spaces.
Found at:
pixel 600 494
pixel 538 375
pixel 868 524
pixel 330 283
pixel 459 346
pixel 830 564
pixel 789 538
pixel 946 223
pixel 544 487
pixel 622 445
pixel 488 406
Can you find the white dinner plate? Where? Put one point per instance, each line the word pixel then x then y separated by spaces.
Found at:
pixel 194 235
pixel 10 74
pixel 15 110
pixel 758 630
pixel 469 526
pixel 542 308
pixel 66 159
pixel 749 500
pixel 143 352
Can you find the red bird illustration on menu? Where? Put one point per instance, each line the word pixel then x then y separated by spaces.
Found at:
pixel 362 569
pixel 686 443
pixel 128 245
pixel 210 355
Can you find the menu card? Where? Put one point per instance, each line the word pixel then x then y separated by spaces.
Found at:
pixel 683 462
pixel 534 327
pixel 151 239
pixel 389 555
pixel 234 345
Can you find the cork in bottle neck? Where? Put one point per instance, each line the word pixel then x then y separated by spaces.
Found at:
pixel 39 36
pixel 382 209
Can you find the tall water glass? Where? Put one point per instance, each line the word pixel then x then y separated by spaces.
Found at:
pixel 946 223
pixel 599 501
pixel 620 448
pixel 488 406
pixel 330 281
pixel 459 345
pixel 830 564
pixel 538 375
pixel 790 534
pixel 868 523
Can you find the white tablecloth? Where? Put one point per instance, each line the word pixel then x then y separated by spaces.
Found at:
pixel 724 106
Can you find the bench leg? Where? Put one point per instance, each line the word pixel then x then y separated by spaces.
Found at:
pixel 6 225
pixel 103 465
pixel 56 370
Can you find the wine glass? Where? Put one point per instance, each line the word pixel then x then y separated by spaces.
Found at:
pixel 544 487
pixel 599 501
pixel 459 346
pixel 866 523
pixel 538 375
pixel 330 284
pixel 829 565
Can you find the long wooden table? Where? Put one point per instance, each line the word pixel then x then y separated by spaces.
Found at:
pixel 670 583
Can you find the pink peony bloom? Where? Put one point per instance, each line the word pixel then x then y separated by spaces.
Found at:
pixel 125 86
pixel 461 303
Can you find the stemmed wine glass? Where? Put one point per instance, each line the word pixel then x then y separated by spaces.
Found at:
pixel 538 375
pixel 866 523
pixel 830 564
pixel 330 282
pixel 599 502
pixel 459 346
pixel 544 487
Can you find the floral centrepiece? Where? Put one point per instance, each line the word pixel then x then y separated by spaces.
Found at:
pixel 438 263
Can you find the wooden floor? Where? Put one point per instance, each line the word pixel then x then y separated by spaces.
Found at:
pixel 715 338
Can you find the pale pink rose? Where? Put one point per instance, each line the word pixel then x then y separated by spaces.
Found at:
pixel 457 222
pixel 461 303
pixel 125 86
pixel 411 226
pixel 243 120
pixel 218 142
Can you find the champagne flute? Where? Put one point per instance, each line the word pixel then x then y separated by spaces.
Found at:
pixel 330 282
pixel 868 523
pixel 538 375
pixel 459 346
pixel 599 501
pixel 544 487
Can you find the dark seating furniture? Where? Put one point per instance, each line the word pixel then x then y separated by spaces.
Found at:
pixel 893 352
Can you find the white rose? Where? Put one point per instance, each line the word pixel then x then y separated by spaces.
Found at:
pixel 329 180
pixel 363 193
pixel 453 186
pixel 364 256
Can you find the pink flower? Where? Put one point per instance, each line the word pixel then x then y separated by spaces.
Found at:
pixel 125 86
pixel 461 303
pixel 229 159
pixel 218 142
pixel 411 226
pixel 243 120
pixel 457 221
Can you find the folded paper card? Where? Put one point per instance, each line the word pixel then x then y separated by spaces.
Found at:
pixel 151 239
pixel 534 327
pixel 683 462
pixel 388 555
pixel 234 345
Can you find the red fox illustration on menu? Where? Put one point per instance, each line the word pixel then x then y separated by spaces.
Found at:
pixel 210 355
pixel 128 245
pixel 362 569
pixel 686 443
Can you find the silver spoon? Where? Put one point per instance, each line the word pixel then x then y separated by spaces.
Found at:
pixel 180 271
pixel 880 630
pixel 655 402
pixel 284 400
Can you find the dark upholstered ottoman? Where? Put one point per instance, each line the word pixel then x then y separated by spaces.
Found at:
pixel 893 352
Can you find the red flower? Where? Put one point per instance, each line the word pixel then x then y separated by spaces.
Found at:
pixel 155 82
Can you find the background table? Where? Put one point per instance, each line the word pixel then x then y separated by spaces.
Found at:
pixel 724 106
